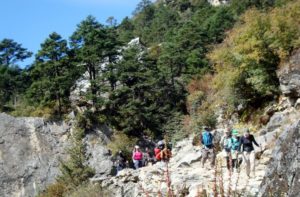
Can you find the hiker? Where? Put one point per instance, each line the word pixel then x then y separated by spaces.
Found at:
pixel 157 150
pixel 235 148
pixel 208 149
pixel 137 157
pixel 246 145
pixel 147 157
pixel 225 144
pixel 121 161
pixel 162 152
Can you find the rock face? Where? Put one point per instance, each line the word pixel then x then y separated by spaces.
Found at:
pixel 30 150
pixel 283 174
pixel 289 76
pixel 29 154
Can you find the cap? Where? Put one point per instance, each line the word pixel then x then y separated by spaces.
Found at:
pixel 161 142
pixel 136 146
pixel 234 132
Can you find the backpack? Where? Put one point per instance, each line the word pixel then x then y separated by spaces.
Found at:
pixel 227 144
pixel 207 139
pixel 235 144
pixel 157 154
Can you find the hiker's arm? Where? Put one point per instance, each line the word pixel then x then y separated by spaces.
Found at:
pixel 240 144
pixel 254 141
pixel 201 139
pixel 222 142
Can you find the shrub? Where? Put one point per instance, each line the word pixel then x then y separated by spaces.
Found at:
pixel 194 101
pixel 247 61
pixel 54 190
pixel 121 141
pixel 176 128
pixel 75 171
pixel 207 118
pixel 89 190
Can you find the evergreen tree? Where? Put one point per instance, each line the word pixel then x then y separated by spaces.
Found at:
pixel 95 47
pixel 52 73
pixel 75 171
pixel 12 80
pixel 12 52
pixel 143 94
pixel 125 30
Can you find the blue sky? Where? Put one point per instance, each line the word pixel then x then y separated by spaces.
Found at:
pixel 29 22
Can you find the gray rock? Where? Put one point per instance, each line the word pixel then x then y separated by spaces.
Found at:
pixel 28 156
pixel 283 174
pixel 31 149
pixel 289 76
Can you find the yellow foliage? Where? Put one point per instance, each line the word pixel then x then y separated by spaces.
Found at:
pixel 255 48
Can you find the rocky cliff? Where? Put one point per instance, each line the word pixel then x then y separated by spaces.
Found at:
pixel 282 177
pixel 277 165
pixel 30 150
pixel 283 173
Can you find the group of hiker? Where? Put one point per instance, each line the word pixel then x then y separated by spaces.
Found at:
pixel 232 143
pixel 161 152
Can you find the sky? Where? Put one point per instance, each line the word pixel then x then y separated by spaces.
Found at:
pixel 29 22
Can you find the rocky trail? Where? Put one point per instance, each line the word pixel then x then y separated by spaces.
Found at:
pixel 186 177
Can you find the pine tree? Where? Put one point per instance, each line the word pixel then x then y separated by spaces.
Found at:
pixel 96 47
pixel 52 73
pixel 12 80
pixel 75 171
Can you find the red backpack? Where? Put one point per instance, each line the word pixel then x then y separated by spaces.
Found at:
pixel 157 154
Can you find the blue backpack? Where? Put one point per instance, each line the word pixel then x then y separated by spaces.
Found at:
pixel 235 144
pixel 207 139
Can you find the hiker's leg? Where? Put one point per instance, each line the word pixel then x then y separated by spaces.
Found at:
pixel 213 157
pixel 252 162
pixel 136 164
pixel 247 162
pixel 227 162
pixel 234 163
pixel 234 159
pixel 204 156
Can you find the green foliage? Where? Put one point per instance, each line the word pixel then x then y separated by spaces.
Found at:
pixel 94 45
pixel 195 100
pixel 252 52
pixel 121 141
pixel 54 190
pixel 52 74
pixel 125 30
pixel 174 129
pixel 12 52
pixel 89 190
pixel 75 171
pixel 207 118
pixel 145 94
pixel 13 81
